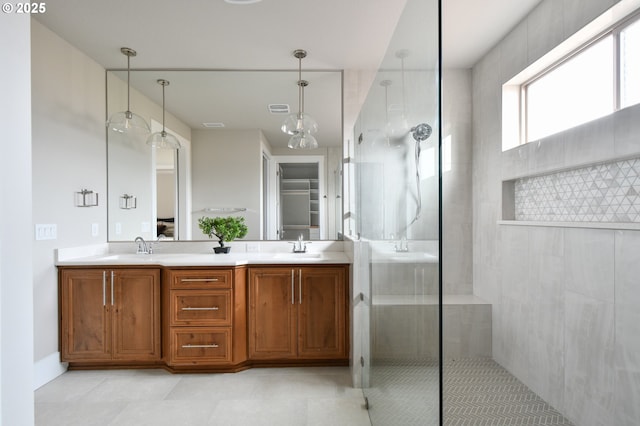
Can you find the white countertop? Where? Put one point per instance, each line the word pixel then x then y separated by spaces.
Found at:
pixel 206 259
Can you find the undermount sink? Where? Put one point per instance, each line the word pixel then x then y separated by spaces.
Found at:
pixel 126 256
pixel 414 257
pixel 292 255
pixel 115 256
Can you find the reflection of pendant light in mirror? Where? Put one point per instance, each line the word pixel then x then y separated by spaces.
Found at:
pixel 300 125
pixel 163 140
pixel 127 122
pixel 397 123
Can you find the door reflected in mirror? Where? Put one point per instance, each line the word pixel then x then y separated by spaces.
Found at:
pixel 167 194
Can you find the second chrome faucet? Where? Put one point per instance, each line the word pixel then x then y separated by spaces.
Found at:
pixel 299 246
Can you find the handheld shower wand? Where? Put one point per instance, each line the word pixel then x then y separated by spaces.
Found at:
pixel 420 133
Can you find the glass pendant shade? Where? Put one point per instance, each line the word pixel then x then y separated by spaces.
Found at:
pixel 126 122
pixel 302 141
pixel 163 140
pixel 299 122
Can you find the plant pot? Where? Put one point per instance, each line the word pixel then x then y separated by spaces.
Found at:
pixel 219 250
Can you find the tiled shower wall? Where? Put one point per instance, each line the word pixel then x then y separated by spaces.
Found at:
pixel 564 300
pixel 608 192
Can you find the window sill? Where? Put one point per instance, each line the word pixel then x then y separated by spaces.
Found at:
pixel 591 225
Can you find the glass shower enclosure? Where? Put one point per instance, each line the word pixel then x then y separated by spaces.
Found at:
pixel 395 166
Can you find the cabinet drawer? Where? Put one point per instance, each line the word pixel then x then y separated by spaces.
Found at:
pixel 201 307
pixel 201 345
pixel 202 279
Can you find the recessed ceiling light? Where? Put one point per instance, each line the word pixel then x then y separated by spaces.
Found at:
pixel 213 125
pixel 242 1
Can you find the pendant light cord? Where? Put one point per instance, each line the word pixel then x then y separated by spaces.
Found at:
pixel 163 131
pixel 300 89
pixel 128 82
pixel 404 97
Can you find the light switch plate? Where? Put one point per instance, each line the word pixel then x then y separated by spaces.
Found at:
pixel 95 229
pixel 46 231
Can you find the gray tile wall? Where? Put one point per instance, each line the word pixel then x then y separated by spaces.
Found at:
pixel 564 301
pixel 456 183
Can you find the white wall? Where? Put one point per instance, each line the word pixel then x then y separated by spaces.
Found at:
pixel 69 154
pixel 226 172
pixel 565 318
pixel 16 231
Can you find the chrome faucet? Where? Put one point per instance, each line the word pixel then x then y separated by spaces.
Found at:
pixel 142 246
pixel 299 246
pixel 402 246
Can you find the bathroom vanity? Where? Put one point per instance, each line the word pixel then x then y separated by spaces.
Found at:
pixel 204 312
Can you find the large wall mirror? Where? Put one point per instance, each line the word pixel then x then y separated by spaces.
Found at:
pixel 234 159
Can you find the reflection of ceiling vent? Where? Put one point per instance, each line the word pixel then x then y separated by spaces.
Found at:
pixel 213 125
pixel 279 108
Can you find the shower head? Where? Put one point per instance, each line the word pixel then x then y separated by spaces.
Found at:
pixel 421 132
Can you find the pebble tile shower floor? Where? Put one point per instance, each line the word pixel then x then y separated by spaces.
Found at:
pixel 477 392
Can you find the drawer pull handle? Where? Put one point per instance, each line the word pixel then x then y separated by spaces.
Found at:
pixel 213 308
pixel 200 346
pixel 199 280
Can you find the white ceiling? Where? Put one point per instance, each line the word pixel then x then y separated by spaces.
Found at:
pixel 212 34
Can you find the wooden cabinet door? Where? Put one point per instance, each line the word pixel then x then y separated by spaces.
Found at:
pixel 136 314
pixel 85 331
pixel 321 317
pixel 272 313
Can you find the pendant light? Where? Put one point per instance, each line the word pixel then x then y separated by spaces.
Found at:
pixel 127 122
pixel 300 125
pixel 163 140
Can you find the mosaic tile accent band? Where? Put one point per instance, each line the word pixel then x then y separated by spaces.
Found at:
pixel 607 192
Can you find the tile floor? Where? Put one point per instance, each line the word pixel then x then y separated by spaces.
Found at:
pixel 477 392
pixel 271 396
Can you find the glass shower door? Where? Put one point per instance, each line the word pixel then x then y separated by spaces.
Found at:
pixel 397 179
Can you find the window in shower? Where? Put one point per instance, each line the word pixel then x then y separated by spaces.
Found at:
pixel 630 65
pixel 578 90
pixel 574 84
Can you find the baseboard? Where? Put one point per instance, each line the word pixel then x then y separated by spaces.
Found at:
pixel 47 369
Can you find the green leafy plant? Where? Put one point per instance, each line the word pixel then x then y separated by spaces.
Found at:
pixel 225 228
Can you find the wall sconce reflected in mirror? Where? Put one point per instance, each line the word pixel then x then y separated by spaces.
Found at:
pixel 128 202
pixel 86 198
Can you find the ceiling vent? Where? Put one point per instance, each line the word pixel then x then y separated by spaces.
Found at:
pixel 242 1
pixel 279 108
pixel 213 125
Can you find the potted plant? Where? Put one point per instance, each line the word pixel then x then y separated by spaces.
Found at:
pixel 225 228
